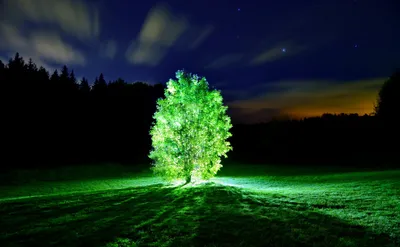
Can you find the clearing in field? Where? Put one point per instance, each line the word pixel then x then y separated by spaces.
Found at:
pixel 243 206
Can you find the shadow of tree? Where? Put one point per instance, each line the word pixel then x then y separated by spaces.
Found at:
pixel 205 215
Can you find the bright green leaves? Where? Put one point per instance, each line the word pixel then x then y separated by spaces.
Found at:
pixel 190 131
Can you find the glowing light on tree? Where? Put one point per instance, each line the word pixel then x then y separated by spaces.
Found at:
pixel 191 129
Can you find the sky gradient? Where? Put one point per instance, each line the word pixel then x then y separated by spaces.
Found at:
pixel 269 58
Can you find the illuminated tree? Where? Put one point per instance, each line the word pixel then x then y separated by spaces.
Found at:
pixel 191 129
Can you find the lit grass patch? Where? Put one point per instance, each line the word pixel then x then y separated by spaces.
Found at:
pixel 338 209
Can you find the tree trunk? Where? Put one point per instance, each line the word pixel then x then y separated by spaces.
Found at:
pixel 189 179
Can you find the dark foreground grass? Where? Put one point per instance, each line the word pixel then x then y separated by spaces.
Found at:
pixel 351 209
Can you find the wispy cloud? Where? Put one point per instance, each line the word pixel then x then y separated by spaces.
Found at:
pixel 58 20
pixel 225 61
pixel 50 46
pixel 74 17
pixel 313 98
pixel 109 49
pixel 42 46
pixel 277 52
pixel 201 36
pixel 251 116
pixel 12 37
pixel 160 31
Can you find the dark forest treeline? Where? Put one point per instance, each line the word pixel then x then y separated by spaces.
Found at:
pixel 348 140
pixel 49 120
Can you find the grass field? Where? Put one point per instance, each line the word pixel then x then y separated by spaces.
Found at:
pixel 243 206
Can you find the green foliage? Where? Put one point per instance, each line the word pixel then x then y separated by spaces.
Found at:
pixel 191 130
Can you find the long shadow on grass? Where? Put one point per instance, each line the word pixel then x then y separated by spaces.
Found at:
pixel 206 215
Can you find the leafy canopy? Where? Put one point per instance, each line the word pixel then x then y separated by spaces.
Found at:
pixel 191 129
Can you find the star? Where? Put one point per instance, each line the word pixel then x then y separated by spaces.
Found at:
pixel 239 9
pixel 283 49
pixel 355 46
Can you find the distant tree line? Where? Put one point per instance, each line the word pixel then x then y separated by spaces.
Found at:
pixel 343 139
pixel 348 140
pixel 52 119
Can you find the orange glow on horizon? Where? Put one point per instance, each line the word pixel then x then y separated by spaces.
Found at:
pixel 365 107
pixel 310 99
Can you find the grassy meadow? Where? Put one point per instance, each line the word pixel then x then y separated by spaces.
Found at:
pixel 243 206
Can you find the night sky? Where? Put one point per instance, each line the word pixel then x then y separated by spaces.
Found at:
pixel 269 58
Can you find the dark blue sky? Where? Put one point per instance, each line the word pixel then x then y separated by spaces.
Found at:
pixel 269 58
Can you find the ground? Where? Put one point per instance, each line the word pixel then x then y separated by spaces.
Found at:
pixel 243 206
